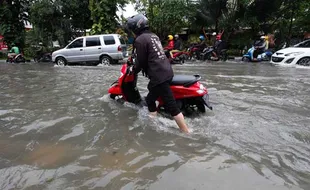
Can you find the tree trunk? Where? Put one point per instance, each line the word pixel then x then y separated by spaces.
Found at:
pixel 291 23
pixel 216 25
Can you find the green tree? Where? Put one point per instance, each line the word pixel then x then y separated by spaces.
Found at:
pixel 13 13
pixel 60 19
pixel 103 15
pixel 166 16
pixel 209 12
pixel 46 19
pixel 78 13
pixel 302 17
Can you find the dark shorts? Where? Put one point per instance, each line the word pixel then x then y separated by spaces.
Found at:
pixel 162 90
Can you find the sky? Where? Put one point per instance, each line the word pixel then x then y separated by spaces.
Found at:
pixel 128 12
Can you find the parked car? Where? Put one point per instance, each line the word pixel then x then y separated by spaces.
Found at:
pixel 298 54
pixel 105 49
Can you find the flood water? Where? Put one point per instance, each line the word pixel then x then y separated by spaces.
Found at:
pixel 60 130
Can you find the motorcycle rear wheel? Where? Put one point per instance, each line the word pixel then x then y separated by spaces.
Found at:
pixel 201 107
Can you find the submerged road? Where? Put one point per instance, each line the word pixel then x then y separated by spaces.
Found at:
pixel 60 130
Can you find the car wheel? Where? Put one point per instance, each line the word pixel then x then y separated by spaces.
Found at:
pixel 305 61
pixel 105 60
pixel 60 61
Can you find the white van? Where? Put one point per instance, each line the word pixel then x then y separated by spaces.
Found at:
pixel 105 49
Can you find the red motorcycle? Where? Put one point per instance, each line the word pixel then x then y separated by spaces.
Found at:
pixel 189 93
pixel 178 57
pixel 194 51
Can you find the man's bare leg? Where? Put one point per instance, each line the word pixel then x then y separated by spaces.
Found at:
pixel 179 119
pixel 171 54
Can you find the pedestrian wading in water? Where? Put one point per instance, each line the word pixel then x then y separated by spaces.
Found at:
pixel 154 64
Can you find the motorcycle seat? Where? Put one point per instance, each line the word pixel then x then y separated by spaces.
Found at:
pixel 184 80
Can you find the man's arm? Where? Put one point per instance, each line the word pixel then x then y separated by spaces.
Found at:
pixel 141 51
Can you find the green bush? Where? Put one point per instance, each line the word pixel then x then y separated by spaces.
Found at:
pixel 29 52
pixel 3 55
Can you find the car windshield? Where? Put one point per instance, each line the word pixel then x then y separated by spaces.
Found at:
pixel 305 44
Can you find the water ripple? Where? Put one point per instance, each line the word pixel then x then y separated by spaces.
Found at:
pixel 60 130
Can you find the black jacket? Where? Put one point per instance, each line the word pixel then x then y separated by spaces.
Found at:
pixel 177 44
pixel 151 59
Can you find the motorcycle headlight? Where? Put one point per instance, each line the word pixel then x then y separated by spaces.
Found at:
pixel 294 54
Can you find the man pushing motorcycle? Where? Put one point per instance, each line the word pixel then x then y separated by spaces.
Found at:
pixel 154 64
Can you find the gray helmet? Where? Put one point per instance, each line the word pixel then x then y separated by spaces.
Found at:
pixel 176 36
pixel 137 23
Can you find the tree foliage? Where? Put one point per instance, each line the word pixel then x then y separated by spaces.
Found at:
pixel 166 16
pixel 13 13
pixel 63 20
pixel 211 11
pixel 103 15
pixel 59 19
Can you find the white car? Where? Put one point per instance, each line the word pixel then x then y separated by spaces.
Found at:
pixel 298 54
pixel 105 49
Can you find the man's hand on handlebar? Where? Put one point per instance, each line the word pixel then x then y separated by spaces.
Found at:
pixel 130 69
pixel 130 61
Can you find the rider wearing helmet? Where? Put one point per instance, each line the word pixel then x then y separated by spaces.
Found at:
pixel 151 59
pixel 202 43
pixel 177 43
pixel 201 38
pixel 14 51
pixel 170 46
pixel 177 46
pixel 170 43
pixel 217 44
pixel 260 47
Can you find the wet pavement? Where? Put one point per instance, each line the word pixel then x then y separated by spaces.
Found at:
pixel 60 130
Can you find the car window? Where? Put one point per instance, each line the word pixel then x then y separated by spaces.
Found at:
pixel 92 41
pixel 305 44
pixel 76 44
pixel 109 40
pixel 121 39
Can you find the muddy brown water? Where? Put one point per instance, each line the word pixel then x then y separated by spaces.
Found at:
pixel 60 130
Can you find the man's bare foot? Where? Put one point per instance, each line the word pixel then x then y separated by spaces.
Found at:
pixel 153 114
pixel 179 119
